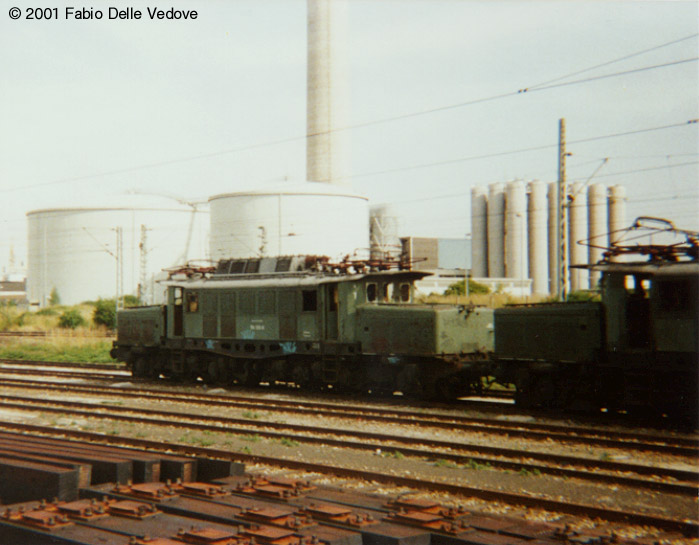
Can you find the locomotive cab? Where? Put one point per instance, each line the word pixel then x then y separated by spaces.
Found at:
pixel 652 326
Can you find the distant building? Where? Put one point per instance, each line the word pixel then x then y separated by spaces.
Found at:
pixel 14 291
pixel 448 259
pixel 437 253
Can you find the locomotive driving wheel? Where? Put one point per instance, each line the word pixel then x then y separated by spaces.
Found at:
pixel 218 372
pixel 245 373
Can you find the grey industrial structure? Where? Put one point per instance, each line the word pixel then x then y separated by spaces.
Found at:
pixel 514 233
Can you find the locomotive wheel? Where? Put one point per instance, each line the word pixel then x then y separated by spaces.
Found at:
pixel 246 373
pixel 140 368
pixel 302 375
pixel 218 372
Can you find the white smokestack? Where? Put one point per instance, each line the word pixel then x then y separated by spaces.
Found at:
pixel 326 91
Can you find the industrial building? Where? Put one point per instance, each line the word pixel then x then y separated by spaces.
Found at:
pixel 514 232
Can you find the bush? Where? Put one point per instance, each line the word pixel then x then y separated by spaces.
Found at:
pixel 54 298
pixel 71 319
pixel 583 295
pixel 474 288
pixel 105 313
pixel 131 301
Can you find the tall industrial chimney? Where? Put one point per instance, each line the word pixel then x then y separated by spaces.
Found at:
pixel 326 97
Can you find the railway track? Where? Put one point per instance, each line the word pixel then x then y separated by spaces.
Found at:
pixel 685 527
pixel 616 473
pixel 565 433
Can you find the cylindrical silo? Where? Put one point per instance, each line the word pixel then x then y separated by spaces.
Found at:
pixel 479 232
pixel 617 212
pixel 597 227
pixel 383 233
pixel 552 194
pixel 74 250
pixel 289 219
pixel 326 149
pixel 577 231
pixel 537 227
pixel 496 230
pixel 516 230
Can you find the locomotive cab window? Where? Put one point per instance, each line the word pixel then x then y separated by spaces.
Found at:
pixel 333 297
pixel 309 300
pixel 405 292
pixel 177 299
pixel 192 302
pixel 675 295
pixel 371 292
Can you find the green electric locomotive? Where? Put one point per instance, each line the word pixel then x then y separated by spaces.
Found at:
pixel 300 321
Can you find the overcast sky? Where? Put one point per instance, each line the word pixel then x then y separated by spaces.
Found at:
pixel 91 108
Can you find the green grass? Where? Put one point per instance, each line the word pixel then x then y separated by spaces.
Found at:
pixel 288 442
pixel 473 464
pixel 68 349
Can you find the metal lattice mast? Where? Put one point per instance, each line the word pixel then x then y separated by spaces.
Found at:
pixel 143 263
pixel 562 267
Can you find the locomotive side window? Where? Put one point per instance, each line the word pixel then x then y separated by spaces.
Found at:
pixel 371 292
pixel 192 302
pixel 178 296
pixel 333 299
pixel 385 292
pixel 675 295
pixel 405 292
pixel 310 300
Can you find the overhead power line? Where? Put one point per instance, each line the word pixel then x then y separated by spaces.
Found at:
pixel 536 87
pixel 607 63
pixel 605 76
pixel 515 151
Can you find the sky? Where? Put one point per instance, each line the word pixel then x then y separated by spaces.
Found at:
pixel 92 109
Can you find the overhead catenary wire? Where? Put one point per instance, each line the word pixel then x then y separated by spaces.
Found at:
pixel 607 63
pixel 512 152
pixel 520 91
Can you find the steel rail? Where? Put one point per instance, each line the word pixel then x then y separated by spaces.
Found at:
pixel 195 422
pixel 685 527
pixel 682 446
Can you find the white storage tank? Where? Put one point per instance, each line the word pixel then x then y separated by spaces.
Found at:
pixel 496 230
pixel 383 230
pixel 289 219
pixel 538 236
pixel 516 231
pixel 73 250
pixel 479 232
pixel 597 229
pixel 617 213
pixel 577 231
